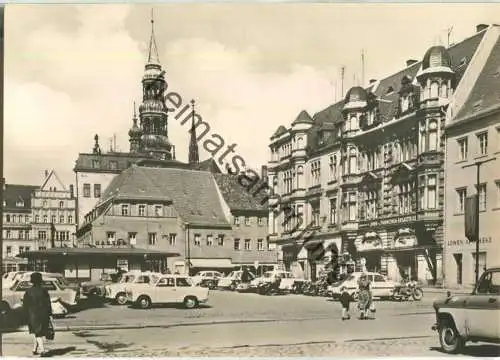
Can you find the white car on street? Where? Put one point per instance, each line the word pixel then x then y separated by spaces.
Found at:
pixel 116 292
pixel 167 289
pixel 381 286
pixel 288 279
pixel 206 275
pixel 232 280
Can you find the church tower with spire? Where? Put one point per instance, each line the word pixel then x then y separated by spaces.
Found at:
pixel 135 135
pixel 152 112
pixel 194 157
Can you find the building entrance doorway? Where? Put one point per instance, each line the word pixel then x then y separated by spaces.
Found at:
pixel 458 260
pixel 407 265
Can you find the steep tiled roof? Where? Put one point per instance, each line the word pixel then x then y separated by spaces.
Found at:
pixel 237 197
pixel 387 90
pixel 209 165
pixel 303 117
pixel 193 193
pixel 108 162
pixel 486 91
pixel 16 193
pixel 281 130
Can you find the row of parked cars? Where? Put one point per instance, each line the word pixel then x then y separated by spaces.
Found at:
pixel 63 294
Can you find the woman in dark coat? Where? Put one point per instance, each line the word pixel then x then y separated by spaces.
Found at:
pixel 37 305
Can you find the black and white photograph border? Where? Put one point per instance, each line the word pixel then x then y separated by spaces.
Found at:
pixel 250 179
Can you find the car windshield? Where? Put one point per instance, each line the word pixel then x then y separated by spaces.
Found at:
pixel 127 279
pixel 62 283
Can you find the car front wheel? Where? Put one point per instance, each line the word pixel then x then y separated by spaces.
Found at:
pixel 449 338
pixel 144 302
pixel 190 302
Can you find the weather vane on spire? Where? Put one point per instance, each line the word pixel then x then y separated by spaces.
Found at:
pixel 153 56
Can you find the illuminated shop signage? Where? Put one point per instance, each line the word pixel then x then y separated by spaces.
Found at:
pixel 483 240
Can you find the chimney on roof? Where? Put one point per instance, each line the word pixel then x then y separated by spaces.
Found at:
pixel 410 62
pixel 373 81
pixel 71 191
pixel 263 172
pixel 46 173
pixel 481 27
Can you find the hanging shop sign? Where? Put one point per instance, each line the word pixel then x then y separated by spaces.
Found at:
pixel 483 240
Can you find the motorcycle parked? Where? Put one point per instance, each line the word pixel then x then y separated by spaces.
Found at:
pixel 408 290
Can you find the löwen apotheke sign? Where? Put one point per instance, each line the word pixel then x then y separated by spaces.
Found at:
pixel 483 240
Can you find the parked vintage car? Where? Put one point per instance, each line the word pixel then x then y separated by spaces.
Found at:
pixel 288 279
pixel 98 287
pixel 13 298
pixel 8 279
pixel 116 292
pixel 381 286
pixel 474 317
pixel 232 280
pixel 25 276
pixel 165 290
pixel 206 277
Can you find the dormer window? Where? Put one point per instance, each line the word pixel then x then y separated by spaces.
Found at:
pixel 463 62
pixel 20 203
pixel 390 90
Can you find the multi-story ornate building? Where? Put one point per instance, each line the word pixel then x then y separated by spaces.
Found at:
pixel 36 218
pixel 53 209
pixel 367 173
pixel 148 137
pixel 473 134
pixel 16 232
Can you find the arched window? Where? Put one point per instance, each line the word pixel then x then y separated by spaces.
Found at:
pixel 422 142
pixel 444 90
pixel 434 90
pixel 353 161
pixel 352 123
pixel 300 177
pixel 433 135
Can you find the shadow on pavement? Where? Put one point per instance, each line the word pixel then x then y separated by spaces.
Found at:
pixel 60 351
pixel 172 306
pixel 476 350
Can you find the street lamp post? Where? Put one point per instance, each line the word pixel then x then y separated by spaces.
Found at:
pixel 478 164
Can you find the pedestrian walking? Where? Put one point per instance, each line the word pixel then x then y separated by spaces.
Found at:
pixel 345 301
pixel 37 304
pixel 365 300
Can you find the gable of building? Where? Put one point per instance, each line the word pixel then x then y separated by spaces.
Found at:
pixel 53 182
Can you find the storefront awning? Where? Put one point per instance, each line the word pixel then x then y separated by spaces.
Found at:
pixel 211 263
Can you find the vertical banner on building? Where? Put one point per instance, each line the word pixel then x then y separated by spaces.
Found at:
pixel 471 217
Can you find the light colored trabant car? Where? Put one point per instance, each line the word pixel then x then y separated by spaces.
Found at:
pixel 117 291
pixel 206 275
pixel 474 317
pixel 232 280
pixel 168 289
pixel 288 279
pixel 13 298
pixel 381 286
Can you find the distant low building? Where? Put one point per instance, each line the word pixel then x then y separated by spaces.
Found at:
pixel 208 218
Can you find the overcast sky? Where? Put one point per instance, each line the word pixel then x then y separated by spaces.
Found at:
pixel 73 71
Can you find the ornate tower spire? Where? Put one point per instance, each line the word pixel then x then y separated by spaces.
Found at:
pixel 135 135
pixel 152 112
pixel 153 57
pixel 194 157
